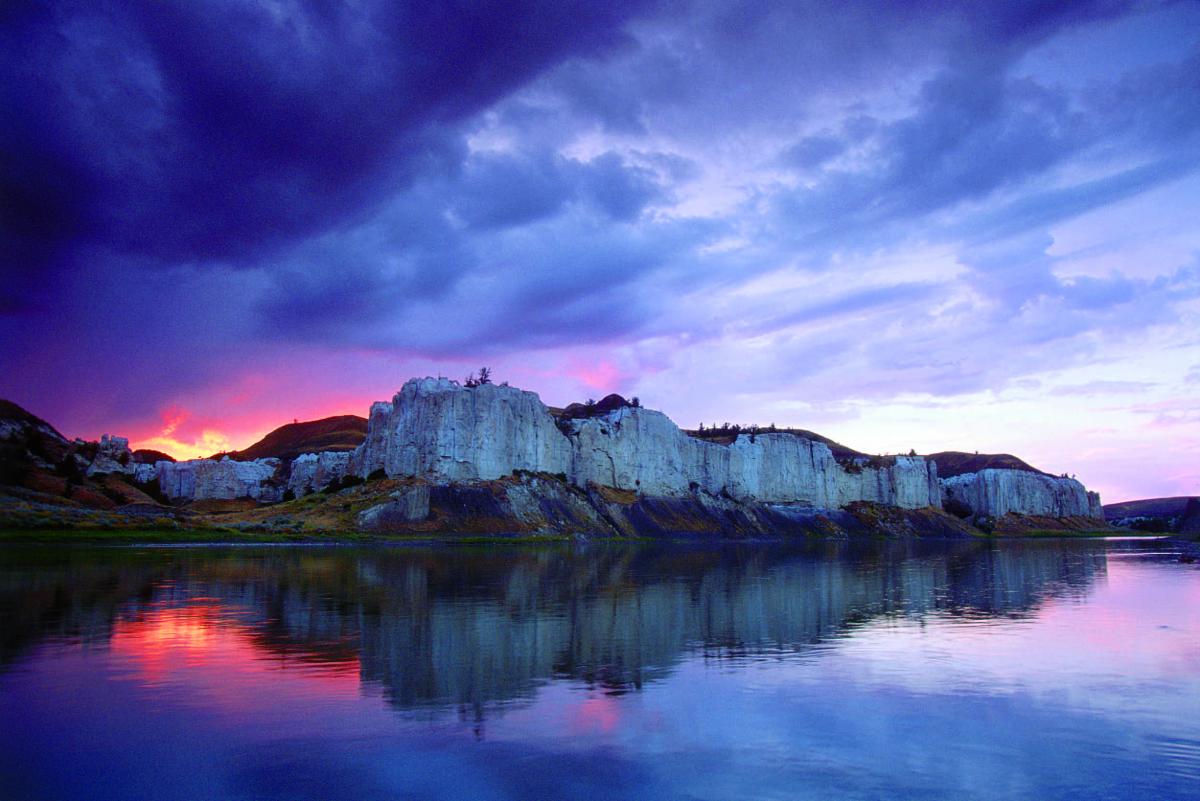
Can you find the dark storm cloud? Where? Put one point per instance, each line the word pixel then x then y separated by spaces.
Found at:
pixel 222 130
pixel 519 247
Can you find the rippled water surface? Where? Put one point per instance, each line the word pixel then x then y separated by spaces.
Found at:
pixel 1032 670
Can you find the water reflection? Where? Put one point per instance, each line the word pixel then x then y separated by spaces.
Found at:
pixel 470 628
pixel 919 670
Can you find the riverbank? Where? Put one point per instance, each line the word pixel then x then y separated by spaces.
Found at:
pixel 223 537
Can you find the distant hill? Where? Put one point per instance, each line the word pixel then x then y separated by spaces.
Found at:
pixel 150 456
pixel 840 452
pixel 342 433
pixel 1147 507
pixel 575 411
pixel 726 436
pixel 957 463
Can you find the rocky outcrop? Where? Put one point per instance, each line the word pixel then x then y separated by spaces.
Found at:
pixel 406 506
pixel 443 432
pixel 224 479
pixel 997 492
pixel 437 429
pixel 642 450
pixel 536 505
pixel 147 473
pixel 112 456
pixel 439 434
pixel 313 472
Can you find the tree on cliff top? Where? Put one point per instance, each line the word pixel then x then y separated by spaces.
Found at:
pixel 484 377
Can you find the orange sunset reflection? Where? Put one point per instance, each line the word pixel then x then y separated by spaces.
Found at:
pixel 207 648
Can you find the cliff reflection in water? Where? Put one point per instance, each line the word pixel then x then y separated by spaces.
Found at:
pixel 471 628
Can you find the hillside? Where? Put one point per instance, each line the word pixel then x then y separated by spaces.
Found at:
pixel 150 456
pixel 39 465
pixel 342 433
pixel 1147 507
pixel 957 463
pixel 27 442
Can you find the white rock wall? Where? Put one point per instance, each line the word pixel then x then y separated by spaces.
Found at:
pixel 312 472
pixel 436 428
pixel 997 492
pixel 440 430
pixel 145 473
pixel 641 449
pixel 210 479
pixel 112 456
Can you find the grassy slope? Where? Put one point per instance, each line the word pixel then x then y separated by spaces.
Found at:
pixel 1147 507
pixel 342 433
pixel 956 463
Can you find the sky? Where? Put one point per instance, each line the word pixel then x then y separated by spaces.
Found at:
pixel 941 226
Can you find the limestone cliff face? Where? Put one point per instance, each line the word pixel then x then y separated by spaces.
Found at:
pixel 435 428
pixel 439 430
pixel 211 479
pixel 996 492
pixel 445 433
pixel 147 473
pixel 112 456
pixel 642 450
pixel 312 472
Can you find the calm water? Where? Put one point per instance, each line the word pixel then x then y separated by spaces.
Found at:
pixel 985 671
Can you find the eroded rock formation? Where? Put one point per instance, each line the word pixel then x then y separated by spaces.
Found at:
pixel 436 428
pixel 441 433
pixel 112 456
pixel 220 479
pixel 444 432
pixel 996 492
pixel 312 472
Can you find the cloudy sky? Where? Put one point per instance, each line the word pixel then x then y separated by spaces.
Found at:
pixel 970 226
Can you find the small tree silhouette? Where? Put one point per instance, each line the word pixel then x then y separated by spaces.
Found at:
pixel 484 377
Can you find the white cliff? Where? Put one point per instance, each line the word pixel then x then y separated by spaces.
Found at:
pixel 212 479
pixel 112 456
pixel 146 473
pixel 313 472
pixel 437 429
pixel 642 450
pixel 996 492
pixel 433 427
pixel 446 433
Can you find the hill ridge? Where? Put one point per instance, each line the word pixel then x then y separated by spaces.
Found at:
pixel 338 433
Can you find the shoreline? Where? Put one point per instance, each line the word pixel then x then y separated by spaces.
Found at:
pixel 205 539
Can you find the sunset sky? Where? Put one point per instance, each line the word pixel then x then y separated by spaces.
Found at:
pixel 966 226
